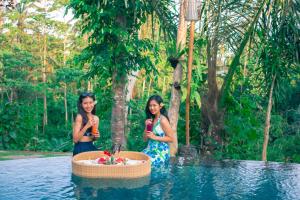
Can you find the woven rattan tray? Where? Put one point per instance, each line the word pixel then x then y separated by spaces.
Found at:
pixel 111 171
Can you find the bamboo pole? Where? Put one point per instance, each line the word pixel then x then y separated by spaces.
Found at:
pixel 189 76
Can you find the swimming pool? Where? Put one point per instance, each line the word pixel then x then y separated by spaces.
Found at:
pixel 51 178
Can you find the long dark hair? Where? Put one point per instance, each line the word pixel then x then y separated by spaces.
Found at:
pixel 80 108
pixel 159 100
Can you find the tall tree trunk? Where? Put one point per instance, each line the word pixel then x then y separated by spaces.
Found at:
pixel 213 105
pixel 245 65
pixel 130 85
pixel 129 91
pixel 36 116
pixel 149 88
pixel 89 85
pixel 72 117
pixel 213 91
pixel 11 95
pixel 66 103
pixel 65 50
pixel 117 117
pixel 65 84
pixel 45 116
pixel 144 86
pixel 163 86
pixel 177 77
pixel 212 117
pixel 267 124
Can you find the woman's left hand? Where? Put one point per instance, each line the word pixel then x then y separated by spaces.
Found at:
pixel 97 135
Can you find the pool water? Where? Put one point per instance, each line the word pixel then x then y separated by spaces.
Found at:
pixel 51 178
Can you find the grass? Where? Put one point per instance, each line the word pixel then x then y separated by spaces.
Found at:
pixel 11 155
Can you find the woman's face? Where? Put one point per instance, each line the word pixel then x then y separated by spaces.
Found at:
pixel 154 107
pixel 88 104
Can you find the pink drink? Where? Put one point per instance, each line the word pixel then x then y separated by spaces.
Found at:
pixel 149 127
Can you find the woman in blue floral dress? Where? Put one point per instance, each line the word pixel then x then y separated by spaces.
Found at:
pixel 161 134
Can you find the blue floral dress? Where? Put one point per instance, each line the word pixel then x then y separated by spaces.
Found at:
pixel 159 152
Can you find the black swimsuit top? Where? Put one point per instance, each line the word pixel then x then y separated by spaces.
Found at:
pixel 88 132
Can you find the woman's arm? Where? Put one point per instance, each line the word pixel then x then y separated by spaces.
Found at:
pixel 77 132
pixel 169 133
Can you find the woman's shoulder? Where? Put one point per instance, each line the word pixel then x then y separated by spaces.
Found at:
pixel 78 118
pixel 163 119
pixel 96 117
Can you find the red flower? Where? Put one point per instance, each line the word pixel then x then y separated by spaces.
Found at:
pixel 102 160
pixel 119 160
pixel 107 153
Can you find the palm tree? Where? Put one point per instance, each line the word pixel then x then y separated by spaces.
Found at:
pixel 227 23
pixel 277 52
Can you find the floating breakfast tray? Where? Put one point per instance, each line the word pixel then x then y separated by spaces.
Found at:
pixel 111 171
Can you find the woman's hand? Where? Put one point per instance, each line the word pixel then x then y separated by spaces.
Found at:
pixel 148 121
pixel 150 135
pixel 97 135
pixel 91 122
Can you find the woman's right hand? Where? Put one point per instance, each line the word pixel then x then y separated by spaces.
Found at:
pixel 91 122
pixel 148 121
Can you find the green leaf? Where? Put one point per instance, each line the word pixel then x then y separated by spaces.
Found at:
pixel 13 134
pixel 198 99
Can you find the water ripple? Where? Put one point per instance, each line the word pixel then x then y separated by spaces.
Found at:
pixel 51 178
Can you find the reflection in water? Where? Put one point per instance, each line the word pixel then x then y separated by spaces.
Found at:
pixel 51 178
pixel 85 187
pixel 98 183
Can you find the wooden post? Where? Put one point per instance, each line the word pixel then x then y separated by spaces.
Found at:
pixel 189 76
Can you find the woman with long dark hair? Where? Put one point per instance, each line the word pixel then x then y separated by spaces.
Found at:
pixel 158 131
pixel 85 129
